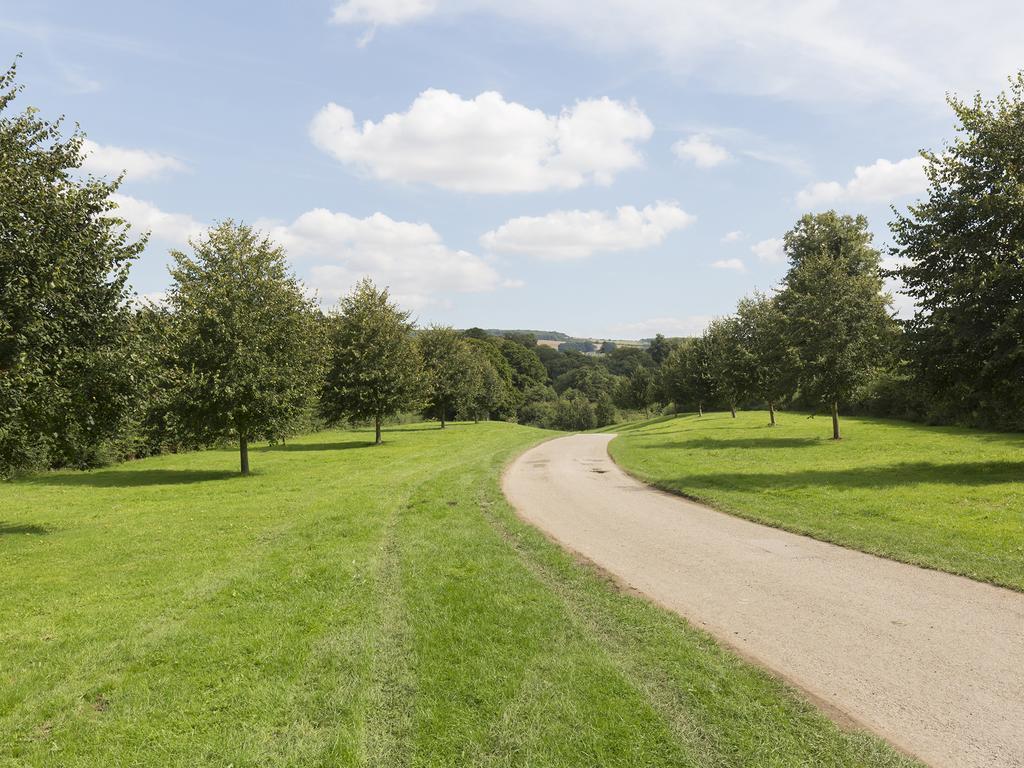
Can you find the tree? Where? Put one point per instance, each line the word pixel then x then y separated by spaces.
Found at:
pixel 637 390
pixel 685 377
pixel 727 363
pixel 659 349
pixel 772 362
pixel 526 366
pixel 962 255
pixel 247 342
pixel 834 306
pixel 374 368
pixel 67 359
pixel 448 366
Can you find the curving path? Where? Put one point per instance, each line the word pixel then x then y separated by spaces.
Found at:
pixel 931 662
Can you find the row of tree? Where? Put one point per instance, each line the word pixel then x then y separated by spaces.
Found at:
pixel 826 338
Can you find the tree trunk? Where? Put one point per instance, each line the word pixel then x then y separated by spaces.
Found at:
pixel 442 416
pixel 732 410
pixel 835 422
pixel 700 409
pixel 243 450
pixel 376 423
pixel 771 413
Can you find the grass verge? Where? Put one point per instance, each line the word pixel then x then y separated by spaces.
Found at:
pixel 941 497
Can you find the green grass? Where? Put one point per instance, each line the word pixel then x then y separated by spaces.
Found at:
pixel 353 606
pixel 945 498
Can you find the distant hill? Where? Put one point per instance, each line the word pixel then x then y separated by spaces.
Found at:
pixel 539 335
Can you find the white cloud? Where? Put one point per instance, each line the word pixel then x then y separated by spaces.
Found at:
pixel 408 257
pixel 693 325
pixel 107 160
pixel 175 228
pixel 732 237
pixel 701 150
pixel 882 181
pixel 383 12
pixel 793 49
pixel 565 235
pixel 487 144
pixel 772 250
pixel 733 265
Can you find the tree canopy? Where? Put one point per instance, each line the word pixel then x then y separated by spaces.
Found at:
pixel 67 354
pixel 246 338
pixel 374 368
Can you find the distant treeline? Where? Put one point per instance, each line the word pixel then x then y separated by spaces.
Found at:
pixel 239 352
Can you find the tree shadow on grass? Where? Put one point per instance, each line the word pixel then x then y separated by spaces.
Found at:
pixel 119 478
pixel 341 445
pixel 976 473
pixel 710 443
pixel 14 528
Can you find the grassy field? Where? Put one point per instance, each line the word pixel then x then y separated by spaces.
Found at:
pixel 353 606
pixel 945 498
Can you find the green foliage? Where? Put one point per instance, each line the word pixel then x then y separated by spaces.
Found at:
pixel 834 306
pixel 585 347
pixel 247 343
pixel 685 377
pixel 962 260
pixel 574 412
pixel 451 375
pixel 623 360
pixel 636 391
pixel 766 343
pixel 68 361
pixel 526 367
pixel 728 362
pixel 374 368
pixel 659 349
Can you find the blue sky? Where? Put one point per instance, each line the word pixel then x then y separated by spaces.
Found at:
pixel 564 164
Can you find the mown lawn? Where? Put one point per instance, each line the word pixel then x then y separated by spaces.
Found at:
pixel 353 606
pixel 944 498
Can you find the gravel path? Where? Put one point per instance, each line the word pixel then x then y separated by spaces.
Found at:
pixel 931 662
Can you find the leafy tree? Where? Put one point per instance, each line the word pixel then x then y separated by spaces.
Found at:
pixel 573 411
pixel 591 380
pixel 623 360
pixel 476 333
pixel 527 368
pixel 772 362
pixel 659 349
pixel 585 347
pixel 374 368
pixel 605 412
pixel 962 255
pixel 247 342
pixel 504 398
pixel 607 347
pixel 727 364
pixel 835 309
pixel 448 367
pixel 637 390
pixel 67 359
pixel 685 377
pixel 522 338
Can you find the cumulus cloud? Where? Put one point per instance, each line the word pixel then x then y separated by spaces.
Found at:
pixel 882 181
pixel 732 265
pixel 487 144
pixel 137 164
pixel 383 12
pixel 732 237
pixel 772 250
pixel 701 150
pixel 409 257
pixel 144 216
pixel 791 49
pixel 567 235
